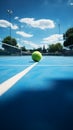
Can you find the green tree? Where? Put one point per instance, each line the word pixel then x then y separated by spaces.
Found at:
pixel 58 47
pixel 7 44
pixel 55 47
pixel 11 42
pixel 68 38
pixel 23 48
pixel 38 49
pixel 51 48
pixel 44 49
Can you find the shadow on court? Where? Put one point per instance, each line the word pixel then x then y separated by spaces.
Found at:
pixel 31 61
pixel 40 110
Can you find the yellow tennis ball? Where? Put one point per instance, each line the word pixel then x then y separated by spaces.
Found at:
pixel 36 56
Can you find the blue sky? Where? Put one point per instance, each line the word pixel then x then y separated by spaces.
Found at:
pixel 35 23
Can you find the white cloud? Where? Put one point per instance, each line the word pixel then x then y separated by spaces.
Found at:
pixel 70 2
pixel 14 26
pixel 53 39
pixel 41 23
pixel 23 34
pixel 31 44
pixel 16 18
pixel 6 24
pixel 18 39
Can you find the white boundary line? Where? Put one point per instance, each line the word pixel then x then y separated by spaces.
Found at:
pixel 51 65
pixel 57 65
pixel 5 86
pixel 13 65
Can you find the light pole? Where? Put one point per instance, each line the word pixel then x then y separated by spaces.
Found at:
pixel 10 13
pixel 20 27
pixel 59 27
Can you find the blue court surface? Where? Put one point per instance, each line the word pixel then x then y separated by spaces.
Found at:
pixel 36 96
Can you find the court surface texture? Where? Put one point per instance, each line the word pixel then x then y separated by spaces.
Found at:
pixel 36 95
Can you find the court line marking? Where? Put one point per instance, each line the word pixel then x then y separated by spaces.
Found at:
pixel 56 65
pixel 39 65
pixel 13 65
pixel 5 86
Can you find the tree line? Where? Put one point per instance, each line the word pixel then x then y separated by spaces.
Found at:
pixel 10 45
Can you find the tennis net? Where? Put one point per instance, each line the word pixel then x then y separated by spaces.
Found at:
pixel 11 50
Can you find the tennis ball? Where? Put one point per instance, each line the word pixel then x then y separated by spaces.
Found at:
pixel 36 56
